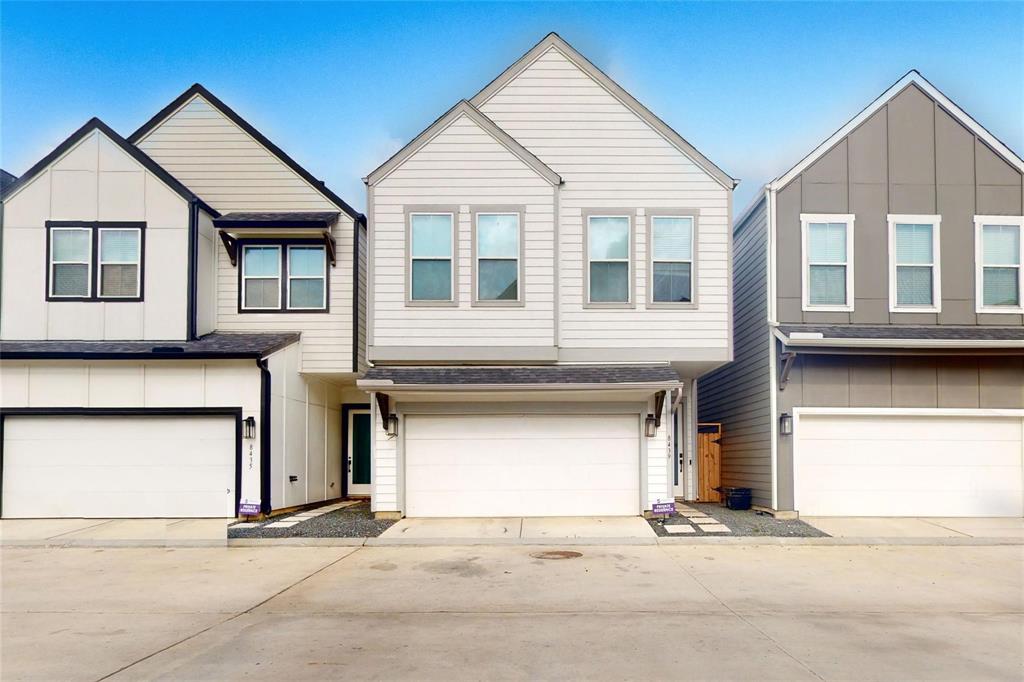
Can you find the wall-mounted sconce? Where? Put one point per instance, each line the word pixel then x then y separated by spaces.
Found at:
pixel 391 425
pixel 249 427
pixel 785 424
pixel 650 426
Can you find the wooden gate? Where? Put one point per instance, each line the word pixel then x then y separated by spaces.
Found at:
pixel 709 462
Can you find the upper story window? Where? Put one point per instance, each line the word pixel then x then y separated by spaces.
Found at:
pixel 827 244
pixel 497 247
pixel 672 241
pixel 999 253
pixel 608 251
pixel 914 271
pixel 283 278
pixel 92 261
pixel 431 257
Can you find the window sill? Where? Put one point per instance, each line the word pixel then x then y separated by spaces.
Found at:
pixel 431 304
pixel 1000 310
pixel 499 304
pixel 609 306
pixel 827 308
pixel 923 309
pixel 667 305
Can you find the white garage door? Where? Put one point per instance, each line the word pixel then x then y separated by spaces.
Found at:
pixel 522 465
pixel 901 465
pixel 118 467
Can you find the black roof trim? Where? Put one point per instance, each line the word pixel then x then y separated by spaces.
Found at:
pixel 211 346
pixel 198 89
pixel 129 148
pixel 524 375
pixel 6 179
pixel 281 219
pixel 901 332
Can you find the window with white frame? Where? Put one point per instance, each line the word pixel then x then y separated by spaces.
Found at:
pixel 914 266
pixel 827 249
pixel 261 277
pixel 497 257
pixel 120 262
pixel 70 262
pixel 431 257
pixel 307 277
pixel 671 251
pixel 608 259
pixel 999 254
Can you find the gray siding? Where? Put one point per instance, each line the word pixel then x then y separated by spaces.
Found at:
pixel 895 381
pixel 911 156
pixel 737 395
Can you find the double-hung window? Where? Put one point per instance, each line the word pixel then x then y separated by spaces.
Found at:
pixel 307 278
pixel 497 248
pixel 431 261
pixel 827 246
pixel 672 258
pixel 70 262
pixel 609 248
pixel 283 278
pixel 261 277
pixel 94 261
pixel 914 268
pixel 999 254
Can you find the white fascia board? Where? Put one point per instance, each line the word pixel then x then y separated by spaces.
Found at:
pixel 897 343
pixel 915 78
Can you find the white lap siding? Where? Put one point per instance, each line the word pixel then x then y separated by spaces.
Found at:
pixel 463 167
pixel 610 157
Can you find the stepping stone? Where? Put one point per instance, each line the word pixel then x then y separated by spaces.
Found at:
pixel 677 529
pixel 695 515
pixel 282 524
pixel 704 520
pixel 715 528
pixel 246 524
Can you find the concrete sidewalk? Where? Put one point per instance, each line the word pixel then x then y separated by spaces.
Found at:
pixel 114 532
pixel 916 527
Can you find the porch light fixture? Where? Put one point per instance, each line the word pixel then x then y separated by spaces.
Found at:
pixel 785 424
pixel 250 427
pixel 391 425
pixel 650 426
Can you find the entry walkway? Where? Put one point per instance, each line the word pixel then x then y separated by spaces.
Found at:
pixel 916 527
pixel 114 532
pixel 518 528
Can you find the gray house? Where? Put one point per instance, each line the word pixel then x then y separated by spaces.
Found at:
pixel 879 327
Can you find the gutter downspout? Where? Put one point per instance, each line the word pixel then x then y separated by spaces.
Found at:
pixel 264 436
pixel 193 241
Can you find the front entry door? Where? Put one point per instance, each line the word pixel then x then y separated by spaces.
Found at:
pixel 359 452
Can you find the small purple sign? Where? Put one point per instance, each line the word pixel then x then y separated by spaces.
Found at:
pixel 660 507
pixel 247 508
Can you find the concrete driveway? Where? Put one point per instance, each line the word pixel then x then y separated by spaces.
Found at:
pixel 635 612
pixel 517 528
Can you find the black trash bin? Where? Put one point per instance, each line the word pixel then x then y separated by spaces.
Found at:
pixel 738 498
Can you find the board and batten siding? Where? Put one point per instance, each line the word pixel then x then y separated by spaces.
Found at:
pixel 911 156
pixel 465 168
pixel 737 395
pixel 95 180
pixel 224 165
pixel 609 157
pixel 326 337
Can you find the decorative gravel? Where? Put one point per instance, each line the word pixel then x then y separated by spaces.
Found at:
pixel 742 523
pixel 351 522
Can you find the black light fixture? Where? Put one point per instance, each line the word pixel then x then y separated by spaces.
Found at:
pixel 785 424
pixel 650 426
pixel 250 427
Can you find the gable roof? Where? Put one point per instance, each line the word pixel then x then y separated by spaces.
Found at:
pixel 464 108
pixel 555 41
pixel 6 179
pixel 912 77
pixel 197 89
pixel 130 149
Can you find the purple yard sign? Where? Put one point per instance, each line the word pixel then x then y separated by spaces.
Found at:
pixel 660 507
pixel 248 508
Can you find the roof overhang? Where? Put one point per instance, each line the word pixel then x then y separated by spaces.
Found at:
pixel 811 341
pixel 218 345
pixel 274 226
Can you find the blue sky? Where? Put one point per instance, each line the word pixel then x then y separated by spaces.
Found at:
pixel 340 86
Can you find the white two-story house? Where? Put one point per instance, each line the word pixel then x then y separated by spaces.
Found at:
pixel 549 276
pixel 182 325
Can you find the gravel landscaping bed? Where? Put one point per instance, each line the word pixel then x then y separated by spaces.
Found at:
pixel 741 523
pixel 351 522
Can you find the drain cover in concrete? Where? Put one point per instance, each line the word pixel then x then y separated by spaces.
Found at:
pixel 557 554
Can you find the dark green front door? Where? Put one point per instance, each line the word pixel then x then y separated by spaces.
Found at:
pixel 359 453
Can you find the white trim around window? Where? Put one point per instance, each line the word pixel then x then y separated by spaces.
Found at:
pixel 322 276
pixel 137 263
pixel 935 222
pixel 246 277
pixel 87 262
pixel 806 220
pixel 980 221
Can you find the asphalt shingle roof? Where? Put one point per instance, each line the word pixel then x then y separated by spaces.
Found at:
pixel 278 219
pixel 543 374
pixel 909 332
pixel 210 346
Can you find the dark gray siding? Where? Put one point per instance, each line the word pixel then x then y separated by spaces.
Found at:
pixel 895 381
pixel 361 300
pixel 911 156
pixel 737 394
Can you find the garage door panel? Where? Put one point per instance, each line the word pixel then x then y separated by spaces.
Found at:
pixel 899 465
pixel 125 466
pixel 521 465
